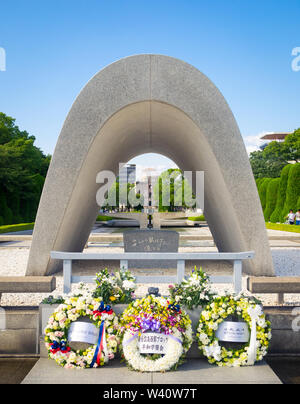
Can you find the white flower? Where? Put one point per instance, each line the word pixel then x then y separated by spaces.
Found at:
pixel 213 350
pixel 127 285
pixel 206 315
pixel 204 338
pixel 262 322
pixel 166 362
pixel 255 312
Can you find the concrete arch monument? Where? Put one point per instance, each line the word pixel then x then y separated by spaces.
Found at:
pixel 149 103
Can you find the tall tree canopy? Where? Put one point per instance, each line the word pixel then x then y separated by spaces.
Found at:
pixel 172 191
pixel 270 161
pixel 23 168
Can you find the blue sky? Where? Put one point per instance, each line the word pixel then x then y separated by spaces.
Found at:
pixel 54 47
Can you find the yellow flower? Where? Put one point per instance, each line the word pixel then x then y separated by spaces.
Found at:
pixel 112 298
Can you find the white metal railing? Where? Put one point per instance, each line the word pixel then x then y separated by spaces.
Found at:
pixel 180 258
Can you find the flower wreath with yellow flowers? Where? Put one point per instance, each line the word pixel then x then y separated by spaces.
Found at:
pixel 246 310
pixel 160 319
pixel 71 310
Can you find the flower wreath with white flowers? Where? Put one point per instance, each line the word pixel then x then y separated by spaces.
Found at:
pixel 56 333
pixel 162 317
pixel 248 311
pixel 194 291
pixel 117 287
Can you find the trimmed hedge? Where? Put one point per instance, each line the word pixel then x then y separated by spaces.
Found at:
pixel 259 182
pixel 271 198
pixel 293 189
pixel 262 191
pixel 279 195
pixel 16 227
pixel 277 215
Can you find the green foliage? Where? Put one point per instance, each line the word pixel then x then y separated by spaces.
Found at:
pixel 16 227
pixel 6 212
pixel 259 182
pixel 117 287
pixel 291 146
pixel 169 191
pixel 271 198
pixel 283 227
pixel 262 191
pixel 194 291
pixel 281 195
pixel 53 300
pixel 117 193
pixel 23 168
pixel 293 189
pixel 270 161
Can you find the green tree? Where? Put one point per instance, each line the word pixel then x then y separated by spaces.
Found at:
pixel 271 198
pixel 170 191
pixel 291 147
pixel 281 195
pixel 23 168
pixel 270 161
pixel 118 193
pixel 262 191
pixel 293 189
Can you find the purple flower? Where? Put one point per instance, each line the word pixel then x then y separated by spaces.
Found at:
pixel 149 324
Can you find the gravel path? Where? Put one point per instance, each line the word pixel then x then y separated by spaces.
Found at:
pixel 13 262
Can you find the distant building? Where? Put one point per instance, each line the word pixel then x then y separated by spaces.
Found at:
pixel 128 174
pixel 278 137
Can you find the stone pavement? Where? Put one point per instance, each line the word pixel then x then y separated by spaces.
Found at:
pixel 13 370
pixel 195 371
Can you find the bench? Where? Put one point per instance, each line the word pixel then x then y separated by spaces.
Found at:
pixel 279 285
pixel 27 284
pixel 180 258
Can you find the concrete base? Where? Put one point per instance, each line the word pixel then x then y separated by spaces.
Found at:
pixel 195 371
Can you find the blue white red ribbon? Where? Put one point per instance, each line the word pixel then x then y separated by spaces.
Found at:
pixel 60 346
pixel 101 345
pixel 174 307
pixel 102 309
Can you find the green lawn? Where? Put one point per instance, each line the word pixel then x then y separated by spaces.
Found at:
pixel 9 228
pixel 101 218
pixel 197 218
pixel 283 227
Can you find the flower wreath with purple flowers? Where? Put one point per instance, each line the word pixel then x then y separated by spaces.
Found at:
pixel 162 319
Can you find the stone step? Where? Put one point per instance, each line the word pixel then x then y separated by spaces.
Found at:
pixel 18 341
pixel 195 371
pixel 27 284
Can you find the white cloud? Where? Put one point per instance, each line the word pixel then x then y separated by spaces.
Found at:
pixel 253 142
